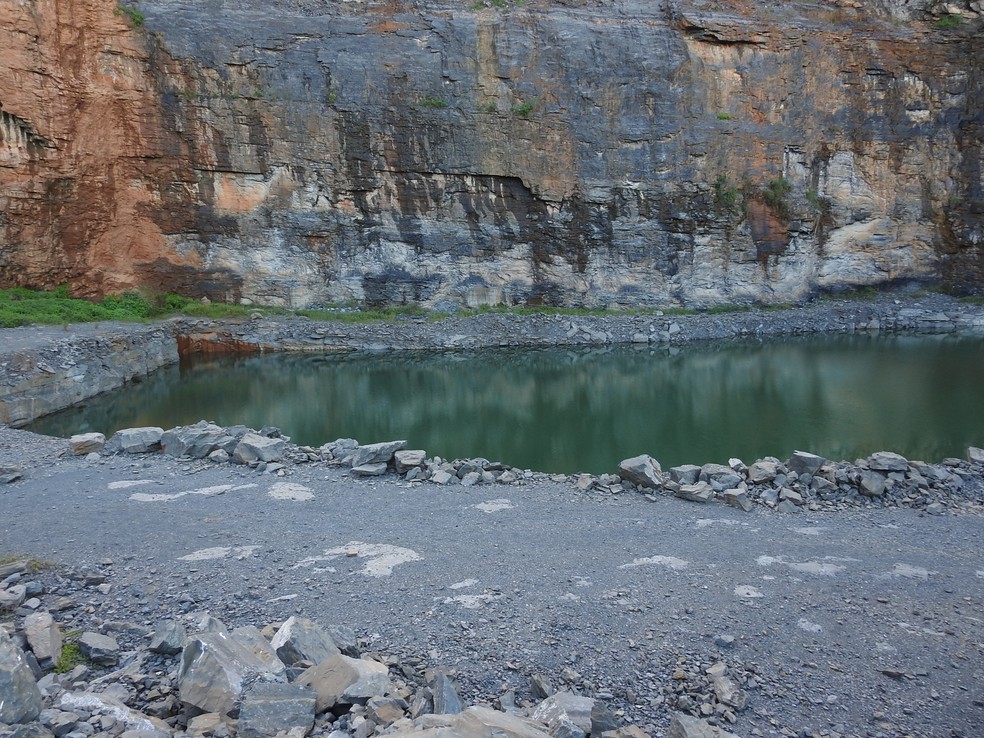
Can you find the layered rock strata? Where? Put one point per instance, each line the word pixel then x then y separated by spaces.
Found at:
pixel 549 152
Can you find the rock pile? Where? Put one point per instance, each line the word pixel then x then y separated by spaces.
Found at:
pixel 809 481
pixel 196 678
pixel 804 481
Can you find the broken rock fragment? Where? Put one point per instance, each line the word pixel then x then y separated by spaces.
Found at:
pixel 344 680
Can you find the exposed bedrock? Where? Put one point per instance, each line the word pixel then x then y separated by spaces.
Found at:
pixel 625 153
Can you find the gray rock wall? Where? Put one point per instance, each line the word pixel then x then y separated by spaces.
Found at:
pixel 573 155
pixel 51 372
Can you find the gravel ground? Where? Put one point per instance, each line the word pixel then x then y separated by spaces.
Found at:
pixel 855 623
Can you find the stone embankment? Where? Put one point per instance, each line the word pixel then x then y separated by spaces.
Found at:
pixel 48 369
pixel 805 480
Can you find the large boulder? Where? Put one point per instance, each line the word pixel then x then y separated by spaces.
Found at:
pixel 99 648
pixel 344 680
pixel 405 460
pixel 685 726
pixel 642 470
pixel 20 698
pixel 253 447
pixel 475 722
pixel 300 639
pixel 269 708
pixel 44 637
pixel 215 671
pixel 802 463
pixel 86 443
pixel 376 453
pixel 888 461
pixel 169 637
pixel 136 440
pixel 251 637
pixel 720 477
pixel 196 441
pixel 565 713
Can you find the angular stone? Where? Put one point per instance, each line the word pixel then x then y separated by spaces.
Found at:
pixel 386 710
pixel 565 707
pixel 169 637
pixel 737 498
pixel 602 719
pixel 727 692
pixel 935 508
pixel 483 722
pixel 269 708
pixel 443 477
pixel 405 460
pixel 251 637
pixel 785 506
pixel 446 700
pixel 44 638
pixel 699 492
pixel 685 726
pixel 685 474
pixel 12 597
pixel 253 447
pixel 642 470
pixel 792 495
pixel 376 453
pixel 763 471
pixel 720 477
pixel 345 639
pixel 802 462
pixel 137 440
pixel 300 639
pixel 975 455
pixel 196 441
pixel 215 670
pixel 99 649
pixel 86 443
pixel 20 698
pixel 887 461
pixel 873 484
pixel 344 680
pixel 370 470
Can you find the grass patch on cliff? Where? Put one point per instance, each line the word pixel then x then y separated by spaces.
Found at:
pixel 20 306
pixel 949 21
pixel 133 16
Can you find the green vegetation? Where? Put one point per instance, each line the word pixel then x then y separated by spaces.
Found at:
pixel 523 110
pixel 434 102
pixel 949 21
pixel 725 195
pixel 724 116
pixel 19 306
pixel 332 97
pixel 489 108
pixel 133 16
pixel 343 315
pixel 819 203
pixel 774 195
pixel 34 565
pixel 71 655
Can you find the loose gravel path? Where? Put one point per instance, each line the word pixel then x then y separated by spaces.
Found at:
pixel 865 623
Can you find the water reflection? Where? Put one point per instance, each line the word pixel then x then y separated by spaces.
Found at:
pixel 583 410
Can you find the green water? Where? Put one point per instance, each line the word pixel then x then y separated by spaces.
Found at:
pixel 564 410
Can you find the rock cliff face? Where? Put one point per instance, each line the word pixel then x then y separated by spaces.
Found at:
pixel 560 151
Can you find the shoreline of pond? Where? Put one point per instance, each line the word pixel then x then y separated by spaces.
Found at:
pixel 46 369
